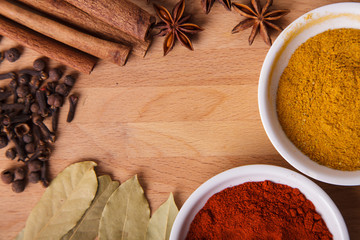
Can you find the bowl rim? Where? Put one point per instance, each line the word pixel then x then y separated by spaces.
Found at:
pixel 262 172
pixel 346 178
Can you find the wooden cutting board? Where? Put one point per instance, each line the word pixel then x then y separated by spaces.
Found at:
pixel 176 121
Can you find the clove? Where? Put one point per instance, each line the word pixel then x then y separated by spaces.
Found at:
pixel 41 74
pixel 7 176
pixel 10 75
pixel 21 130
pixel 35 84
pixel 3 140
pixel 36 133
pixel 19 146
pixel 13 85
pixel 27 105
pixel 12 107
pixel 49 136
pixel 40 98
pixel 23 108
pixel 73 100
pixel 51 86
pixel 15 119
pixel 55 118
pixel 43 177
pixel 4 95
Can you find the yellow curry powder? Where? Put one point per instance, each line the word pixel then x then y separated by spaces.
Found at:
pixel 318 99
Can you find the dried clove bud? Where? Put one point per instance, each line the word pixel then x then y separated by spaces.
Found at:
pixel 43 75
pixel 49 136
pixel 23 90
pixel 51 86
pixel 55 119
pixel 22 129
pixel 28 101
pixel 18 186
pixel 55 100
pixel 30 147
pixel 7 176
pixel 14 119
pixel 12 54
pixel 28 138
pixel 43 175
pixel 4 95
pixel 55 74
pixel 34 165
pixel 34 177
pixel 62 89
pixel 39 64
pixel 73 100
pixel 45 155
pixel 34 108
pixel 35 83
pixel 11 153
pixel 3 140
pixel 36 134
pixel 69 80
pixel 19 149
pixel 40 98
pixel 10 75
pixel 13 84
pixel 24 78
pixel 19 174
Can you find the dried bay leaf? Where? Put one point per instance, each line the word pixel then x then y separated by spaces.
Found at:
pixel 87 227
pixel 161 222
pixel 126 214
pixel 20 235
pixel 63 203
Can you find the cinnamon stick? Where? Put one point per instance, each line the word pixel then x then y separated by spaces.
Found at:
pixel 73 16
pixel 50 48
pixel 121 14
pixel 114 52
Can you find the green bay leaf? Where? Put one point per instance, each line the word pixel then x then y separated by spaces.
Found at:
pixel 126 214
pixel 161 221
pixel 63 202
pixel 87 227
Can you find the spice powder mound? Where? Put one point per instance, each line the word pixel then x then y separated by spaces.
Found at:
pixel 318 99
pixel 258 210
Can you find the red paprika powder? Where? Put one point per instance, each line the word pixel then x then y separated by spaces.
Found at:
pixel 258 210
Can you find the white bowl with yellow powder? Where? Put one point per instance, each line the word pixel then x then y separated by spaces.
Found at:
pixel 334 16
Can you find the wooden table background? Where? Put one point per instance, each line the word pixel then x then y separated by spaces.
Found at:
pixel 176 121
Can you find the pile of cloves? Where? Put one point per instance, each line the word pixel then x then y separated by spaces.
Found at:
pixel 24 105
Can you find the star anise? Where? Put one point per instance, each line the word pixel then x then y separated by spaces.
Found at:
pixel 174 25
pixel 207 4
pixel 259 19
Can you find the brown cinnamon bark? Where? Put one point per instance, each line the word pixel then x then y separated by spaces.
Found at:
pixel 55 50
pixel 121 14
pixel 73 16
pixel 114 52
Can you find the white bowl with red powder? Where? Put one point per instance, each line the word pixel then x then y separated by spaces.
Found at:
pixel 324 206
pixel 334 16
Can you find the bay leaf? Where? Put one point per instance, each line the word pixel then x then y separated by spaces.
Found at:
pixel 87 227
pixel 63 202
pixel 161 221
pixel 126 214
pixel 20 235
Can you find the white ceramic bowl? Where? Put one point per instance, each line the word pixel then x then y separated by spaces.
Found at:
pixel 340 15
pixel 322 202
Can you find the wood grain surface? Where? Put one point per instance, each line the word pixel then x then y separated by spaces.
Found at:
pixel 176 121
